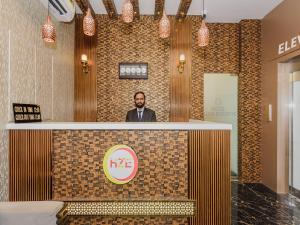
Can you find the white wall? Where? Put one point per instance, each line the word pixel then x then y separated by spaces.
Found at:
pixel 220 105
pixel 31 71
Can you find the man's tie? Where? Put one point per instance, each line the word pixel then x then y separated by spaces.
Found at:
pixel 139 115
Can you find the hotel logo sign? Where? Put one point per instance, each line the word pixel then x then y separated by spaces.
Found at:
pixel 120 164
pixel 288 45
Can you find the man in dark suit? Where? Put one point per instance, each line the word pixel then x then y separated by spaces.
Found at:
pixel 140 113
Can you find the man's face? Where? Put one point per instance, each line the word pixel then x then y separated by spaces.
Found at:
pixel 139 101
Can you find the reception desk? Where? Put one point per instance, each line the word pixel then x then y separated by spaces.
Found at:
pixel 177 162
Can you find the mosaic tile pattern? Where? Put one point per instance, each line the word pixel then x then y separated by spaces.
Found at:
pixel 30 81
pixel 249 103
pixel 78 173
pixel 137 42
pixel 119 42
pixel 220 56
pixel 222 53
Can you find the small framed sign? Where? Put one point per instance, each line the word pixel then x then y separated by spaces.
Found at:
pixel 25 113
pixel 133 70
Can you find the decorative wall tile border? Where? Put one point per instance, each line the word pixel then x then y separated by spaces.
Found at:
pixel 185 208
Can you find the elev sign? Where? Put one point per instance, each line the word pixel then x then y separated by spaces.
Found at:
pixel 288 45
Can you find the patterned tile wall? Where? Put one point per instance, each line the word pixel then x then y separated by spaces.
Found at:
pixel 223 55
pixel 78 173
pixel 250 115
pixel 137 42
pixel 28 67
pixel 140 42
pixel 220 56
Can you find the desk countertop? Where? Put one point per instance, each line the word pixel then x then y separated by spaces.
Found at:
pixel 193 125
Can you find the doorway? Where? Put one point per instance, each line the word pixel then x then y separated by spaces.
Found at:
pixel 221 105
pixel 294 134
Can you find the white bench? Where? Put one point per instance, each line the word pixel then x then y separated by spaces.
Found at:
pixel 29 213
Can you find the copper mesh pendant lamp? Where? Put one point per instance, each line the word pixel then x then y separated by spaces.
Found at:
pixel 203 33
pixel 89 26
pixel 164 26
pixel 48 30
pixel 127 12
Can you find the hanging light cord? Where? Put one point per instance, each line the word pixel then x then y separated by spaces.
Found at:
pixel 48 8
pixel 203 15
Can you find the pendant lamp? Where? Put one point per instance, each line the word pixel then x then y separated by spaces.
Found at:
pixel 48 30
pixel 203 33
pixel 127 12
pixel 164 26
pixel 89 24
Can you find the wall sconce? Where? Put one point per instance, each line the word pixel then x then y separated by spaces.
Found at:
pixel 84 63
pixel 180 66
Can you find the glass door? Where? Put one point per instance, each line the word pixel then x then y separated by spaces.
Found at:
pixel 221 105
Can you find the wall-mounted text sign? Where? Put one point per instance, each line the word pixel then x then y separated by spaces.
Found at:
pixel 120 164
pixel 25 113
pixel 288 45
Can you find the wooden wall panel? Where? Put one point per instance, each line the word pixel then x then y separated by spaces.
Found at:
pixel 30 165
pixel 197 81
pixel 85 100
pixel 181 43
pixel 209 176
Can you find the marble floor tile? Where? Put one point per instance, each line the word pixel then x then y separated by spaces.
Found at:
pixel 256 204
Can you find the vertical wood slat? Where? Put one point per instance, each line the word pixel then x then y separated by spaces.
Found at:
pixel 85 93
pixel 209 176
pixel 180 83
pixel 30 165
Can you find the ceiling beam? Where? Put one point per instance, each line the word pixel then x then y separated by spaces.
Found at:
pixel 183 9
pixel 110 8
pixel 84 5
pixel 159 7
pixel 136 8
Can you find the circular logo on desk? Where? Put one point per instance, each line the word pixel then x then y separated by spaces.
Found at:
pixel 120 164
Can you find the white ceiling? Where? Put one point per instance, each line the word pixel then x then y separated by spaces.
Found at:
pixel 218 11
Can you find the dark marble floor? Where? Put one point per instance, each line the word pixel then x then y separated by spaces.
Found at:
pixel 256 204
